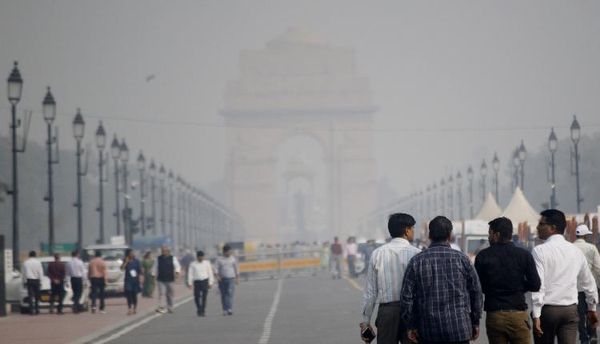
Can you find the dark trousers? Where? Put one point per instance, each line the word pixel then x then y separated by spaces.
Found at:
pixel 57 293
pixel 131 296
pixel 77 287
pixel 200 294
pixel 33 293
pixel 586 332
pixel 97 292
pixel 390 327
pixel 352 265
pixel 558 322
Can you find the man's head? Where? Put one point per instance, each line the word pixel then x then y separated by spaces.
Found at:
pixel 200 256
pixel 440 229
pixel 551 222
pixel 501 230
pixel 227 250
pixel 335 240
pixel 32 254
pixel 401 225
pixel 57 257
pixel 165 250
pixel 98 253
pixel 75 253
pixel 583 231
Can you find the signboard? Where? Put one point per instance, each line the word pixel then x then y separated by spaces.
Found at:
pixel 66 247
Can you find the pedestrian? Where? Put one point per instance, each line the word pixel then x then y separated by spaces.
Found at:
pixel 587 333
pixel 228 277
pixel 131 286
pixel 200 277
pixel 166 270
pixel 563 271
pixel 336 255
pixel 351 252
pixel 441 297
pixel 506 273
pixel 385 272
pixel 32 277
pixel 76 270
pixel 57 274
pixel 147 266
pixel 97 275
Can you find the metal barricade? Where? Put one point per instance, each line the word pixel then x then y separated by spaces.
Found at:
pixel 279 263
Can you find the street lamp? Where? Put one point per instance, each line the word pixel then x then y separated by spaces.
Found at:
pixel 483 172
pixel 171 206
pixel 522 155
pixel 496 167
pixel 575 136
pixel 434 197
pixel 443 196
pixel 115 152
pixel 78 132
pixel 153 194
pixel 101 144
pixel 161 176
pixel 470 179
pixel 141 165
pixel 124 157
pixel 450 192
pixel 552 147
pixel 49 112
pixel 459 194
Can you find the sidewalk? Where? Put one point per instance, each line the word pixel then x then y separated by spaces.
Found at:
pixel 74 328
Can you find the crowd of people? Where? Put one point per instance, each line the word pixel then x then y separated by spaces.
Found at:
pixel 436 295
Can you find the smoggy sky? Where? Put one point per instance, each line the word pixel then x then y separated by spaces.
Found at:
pixel 454 81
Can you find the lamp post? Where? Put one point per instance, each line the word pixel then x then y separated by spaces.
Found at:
pixel 552 147
pixel 78 132
pixel 49 111
pixel 141 165
pixel 428 210
pixel 161 176
pixel 153 194
pixel 575 137
pixel 15 88
pixel 459 195
pixel 516 164
pixel 115 152
pixel 124 157
pixel 171 206
pixel 435 202
pixel 496 167
pixel 450 192
pixel 522 155
pixel 443 196
pixel 101 144
pixel 470 179
pixel 483 173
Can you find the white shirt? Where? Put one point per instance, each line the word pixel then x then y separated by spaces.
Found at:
pixel 75 268
pixel 351 249
pixel 32 269
pixel 199 271
pixel 592 256
pixel 455 247
pixel 562 268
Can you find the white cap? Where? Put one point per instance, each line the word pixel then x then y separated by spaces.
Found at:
pixel 582 230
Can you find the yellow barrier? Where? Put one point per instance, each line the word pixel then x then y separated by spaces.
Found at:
pixel 258 266
pixel 270 265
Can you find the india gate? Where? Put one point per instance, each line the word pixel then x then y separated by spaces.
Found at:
pixel 299 118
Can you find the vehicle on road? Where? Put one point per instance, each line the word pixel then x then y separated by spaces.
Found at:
pixel 113 255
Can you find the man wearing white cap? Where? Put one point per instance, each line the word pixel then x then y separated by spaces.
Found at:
pixel 587 334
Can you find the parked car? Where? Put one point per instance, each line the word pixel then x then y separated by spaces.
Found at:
pixel 113 255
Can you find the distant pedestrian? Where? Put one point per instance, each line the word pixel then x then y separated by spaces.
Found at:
pixel 166 270
pixel 57 274
pixel 228 277
pixel 441 296
pixel 186 259
pixel 563 271
pixel 76 271
pixel 351 252
pixel 506 273
pixel 147 267
pixel 200 277
pixel 32 277
pixel 336 257
pixel 131 286
pixel 97 275
pixel 385 272
pixel 587 333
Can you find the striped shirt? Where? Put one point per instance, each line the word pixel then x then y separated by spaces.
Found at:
pixel 385 273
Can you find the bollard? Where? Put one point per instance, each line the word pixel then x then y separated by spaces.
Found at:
pixel 2 279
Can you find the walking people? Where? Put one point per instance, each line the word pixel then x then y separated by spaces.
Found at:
pixel 563 269
pixel 76 270
pixel 587 333
pixel 57 275
pixel 200 277
pixel 506 273
pixel 133 270
pixel 441 299
pixel 166 270
pixel 97 275
pixel 336 256
pixel 385 272
pixel 32 276
pixel 147 267
pixel 228 277
pixel 351 252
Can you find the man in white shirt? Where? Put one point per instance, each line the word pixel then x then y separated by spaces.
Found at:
pixel 586 332
pixel 351 252
pixel 76 271
pixel 201 277
pixel 32 276
pixel 563 269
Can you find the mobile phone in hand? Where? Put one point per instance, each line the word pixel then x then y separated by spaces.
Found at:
pixel 367 334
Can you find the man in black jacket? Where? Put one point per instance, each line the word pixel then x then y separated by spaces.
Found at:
pixel 506 273
pixel 166 270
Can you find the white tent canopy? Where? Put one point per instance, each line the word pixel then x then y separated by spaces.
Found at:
pixel 519 210
pixel 489 210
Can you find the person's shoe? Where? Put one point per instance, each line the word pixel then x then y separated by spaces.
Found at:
pixel 93 310
pixel 60 313
pixel 161 310
pixel 129 312
pixel 229 312
pixel 198 313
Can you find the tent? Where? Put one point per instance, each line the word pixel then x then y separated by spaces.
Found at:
pixel 519 210
pixel 489 210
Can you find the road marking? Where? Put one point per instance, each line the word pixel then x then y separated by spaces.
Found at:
pixel 354 284
pixel 266 335
pixel 132 327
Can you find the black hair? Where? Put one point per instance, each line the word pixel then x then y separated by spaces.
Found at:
pixel 503 226
pixel 398 224
pixel 199 254
pixel 128 251
pixel 74 253
pixel 556 218
pixel 32 253
pixel 440 229
pixel 226 248
pixel 98 253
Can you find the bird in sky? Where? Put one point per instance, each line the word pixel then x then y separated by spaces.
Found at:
pixel 150 77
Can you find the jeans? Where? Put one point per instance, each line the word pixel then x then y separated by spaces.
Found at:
pixel 33 293
pixel 166 289
pixel 200 294
pixel 586 332
pixel 97 291
pixel 77 287
pixel 131 296
pixel 227 288
pixel 57 291
pixel 352 265
pixel 335 265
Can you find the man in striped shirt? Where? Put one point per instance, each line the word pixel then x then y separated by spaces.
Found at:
pixel 384 281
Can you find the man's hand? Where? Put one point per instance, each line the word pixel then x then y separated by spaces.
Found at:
pixel 592 317
pixel 475 333
pixel 364 326
pixel 537 327
pixel 237 280
pixel 413 335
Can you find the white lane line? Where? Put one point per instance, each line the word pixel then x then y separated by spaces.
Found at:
pixel 132 327
pixel 266 335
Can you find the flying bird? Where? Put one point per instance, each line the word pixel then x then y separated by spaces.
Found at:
pixel 150 77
